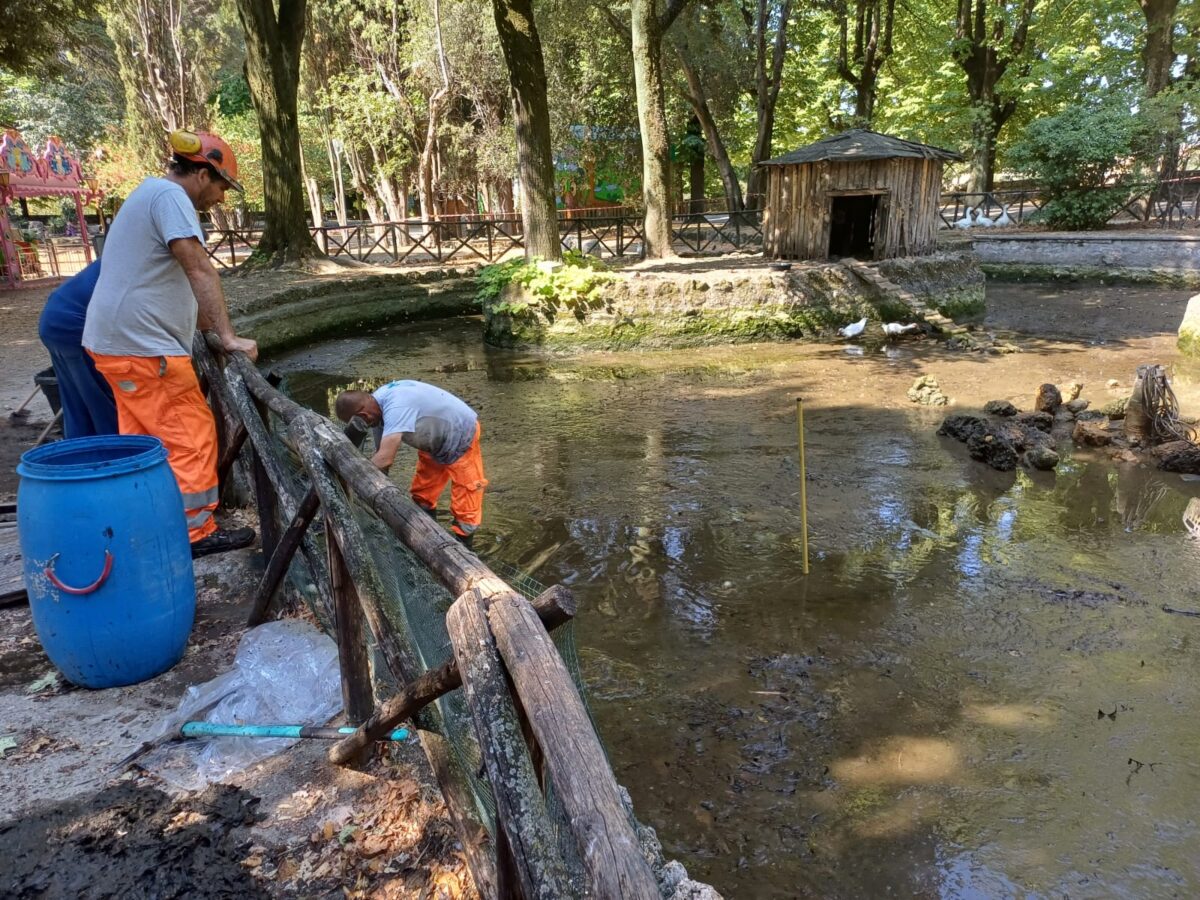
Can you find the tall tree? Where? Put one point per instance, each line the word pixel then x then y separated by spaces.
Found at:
pixel 647 27
pixel 859 63
pixel 274 38
pixel 1158 49
pixel 522 50
pixel 34 33
pixel 990 39
pixel 769 54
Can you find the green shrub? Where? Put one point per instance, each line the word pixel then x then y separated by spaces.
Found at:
pixel 573 286
pixel 1082 158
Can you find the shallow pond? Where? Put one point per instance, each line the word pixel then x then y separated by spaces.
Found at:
pixel 976 691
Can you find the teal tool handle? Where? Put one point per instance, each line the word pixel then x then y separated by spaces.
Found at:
pixel 217 729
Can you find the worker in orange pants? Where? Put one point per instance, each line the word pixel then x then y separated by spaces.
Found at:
pixel 445 433
pixel 160 396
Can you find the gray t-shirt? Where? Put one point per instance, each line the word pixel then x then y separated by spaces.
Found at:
pixel 143 304
pixel 432 420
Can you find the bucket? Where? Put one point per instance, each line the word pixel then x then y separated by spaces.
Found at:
pixel 48 382
pixel 108 567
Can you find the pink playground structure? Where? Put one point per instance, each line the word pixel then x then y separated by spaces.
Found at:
pixel 54 173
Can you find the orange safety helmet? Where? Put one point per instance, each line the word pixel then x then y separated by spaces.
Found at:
pixel 203 147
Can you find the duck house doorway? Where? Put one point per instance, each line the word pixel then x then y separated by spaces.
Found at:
pixel 855 224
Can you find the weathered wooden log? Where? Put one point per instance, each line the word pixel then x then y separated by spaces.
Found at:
pixel 520 806
pixel 358 695
pixel 340 525
pixel 575 760
pixel 261 442
pixel 555 606
pixel 289 542
pixel 281 559
pixel 230 452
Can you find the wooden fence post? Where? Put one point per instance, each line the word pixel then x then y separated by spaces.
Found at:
pixel 579 770
pixel 520 807
pixel 358 697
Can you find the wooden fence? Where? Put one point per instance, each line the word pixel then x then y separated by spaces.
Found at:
pixel 532 726
pixel 603 232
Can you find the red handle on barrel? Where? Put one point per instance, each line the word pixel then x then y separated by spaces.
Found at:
pixel 67 589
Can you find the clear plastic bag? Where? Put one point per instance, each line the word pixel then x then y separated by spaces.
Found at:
pixel 285 673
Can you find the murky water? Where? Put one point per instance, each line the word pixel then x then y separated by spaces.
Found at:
pixel 974 693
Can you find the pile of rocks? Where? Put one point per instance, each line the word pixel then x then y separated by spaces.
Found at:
pixel 1007 437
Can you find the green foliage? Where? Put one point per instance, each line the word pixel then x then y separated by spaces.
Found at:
pixel 232 95
pixel 549 288
pixel 1081 158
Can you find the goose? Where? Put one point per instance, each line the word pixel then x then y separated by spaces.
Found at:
pixel 966 221
pixel 1003 219
pixel 854 329
pixel 893 329
pixel 982 220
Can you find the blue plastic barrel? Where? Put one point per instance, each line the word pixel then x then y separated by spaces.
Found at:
pixel 108 566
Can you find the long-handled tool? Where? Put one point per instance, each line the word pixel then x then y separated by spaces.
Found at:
pixel 803 485
pixel 20 412
pixel 217 729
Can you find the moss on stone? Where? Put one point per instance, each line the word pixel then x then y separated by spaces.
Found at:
pixel 1014 272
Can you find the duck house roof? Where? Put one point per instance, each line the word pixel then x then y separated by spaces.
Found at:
pixel 860 145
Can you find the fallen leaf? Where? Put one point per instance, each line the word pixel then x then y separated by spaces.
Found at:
pixel 346 834
pixel 327 831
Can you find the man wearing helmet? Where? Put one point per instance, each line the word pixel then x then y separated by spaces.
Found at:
pixel 157 284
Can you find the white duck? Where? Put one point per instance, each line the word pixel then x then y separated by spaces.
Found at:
pixel 966 221
pixel 1003 219
pixel 854 329
pixel 982 221
pixel 894 329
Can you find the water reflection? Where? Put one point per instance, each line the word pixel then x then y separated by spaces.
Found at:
pixel 916 718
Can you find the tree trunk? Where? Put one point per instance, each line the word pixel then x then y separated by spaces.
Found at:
pixel 716 146
pixel 522 50
pixel 983 161
pixel 768 77
pixel 273 44
pixel 1158 52
pixel 652 118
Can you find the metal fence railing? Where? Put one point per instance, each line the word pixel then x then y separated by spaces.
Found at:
pixel 604 232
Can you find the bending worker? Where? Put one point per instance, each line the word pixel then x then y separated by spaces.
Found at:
pixel 156 285
pixel 444 431
pixel 87 400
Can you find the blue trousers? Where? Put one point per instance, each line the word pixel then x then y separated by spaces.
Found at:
pixel 87 400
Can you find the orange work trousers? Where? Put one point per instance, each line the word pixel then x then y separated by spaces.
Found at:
pixel 466 479
pixel 160 396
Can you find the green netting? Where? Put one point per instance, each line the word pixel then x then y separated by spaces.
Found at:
pixel 416 604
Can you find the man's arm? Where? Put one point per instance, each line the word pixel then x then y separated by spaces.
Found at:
pixel 206 285
pixel 385 455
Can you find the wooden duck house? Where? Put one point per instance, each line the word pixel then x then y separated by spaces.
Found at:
pixel 856 194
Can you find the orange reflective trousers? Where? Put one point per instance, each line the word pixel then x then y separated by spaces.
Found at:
pixel 466 479
pixel 160 396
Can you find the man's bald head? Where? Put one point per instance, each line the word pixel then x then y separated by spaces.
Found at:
pixel 357 403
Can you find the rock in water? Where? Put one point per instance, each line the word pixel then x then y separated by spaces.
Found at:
pixel 1092 434
pixel 1091 415
pixel 1070 391
pixel 962 428
pixel 1042 421
pixel 1048 399
pixel 925 390
pixel 1115 409
pixel 1041 457
pixel 1077 406
pixel 994 450
pixel 1178 456
pixel 1000 408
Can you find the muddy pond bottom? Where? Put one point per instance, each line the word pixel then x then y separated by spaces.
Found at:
pixel 975 693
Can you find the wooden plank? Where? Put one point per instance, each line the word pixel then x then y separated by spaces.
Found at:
pixel 358 696
pixel 555 606
pixel 520 806
pixel 281 559
pixel 579 770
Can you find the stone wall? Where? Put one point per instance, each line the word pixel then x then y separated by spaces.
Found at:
pixel 337 306
pixel 1160 258
pixel 748 301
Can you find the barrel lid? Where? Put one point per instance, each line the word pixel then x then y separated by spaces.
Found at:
pixel 92 457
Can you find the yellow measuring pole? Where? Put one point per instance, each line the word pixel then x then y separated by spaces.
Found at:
pixel 803 484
